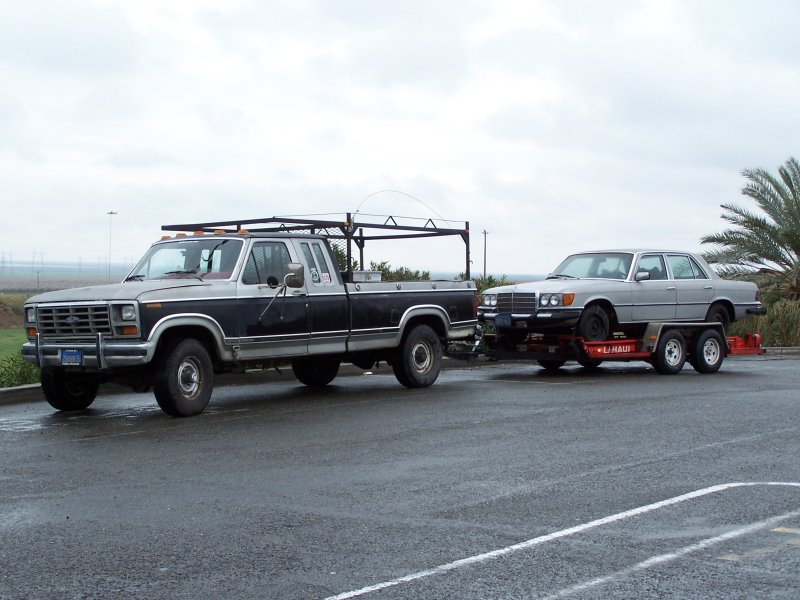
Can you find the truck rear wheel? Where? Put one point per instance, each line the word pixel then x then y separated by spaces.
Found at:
pixel 670 354
pixel 315 372
pixel 184 379
pixel 551 365
pixel 708 352
pixel 65 390
pixel 418 360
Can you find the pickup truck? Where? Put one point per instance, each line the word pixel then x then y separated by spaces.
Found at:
pixel 202 304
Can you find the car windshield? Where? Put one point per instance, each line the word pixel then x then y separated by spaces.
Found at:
pixel 595 265
pixel 203 258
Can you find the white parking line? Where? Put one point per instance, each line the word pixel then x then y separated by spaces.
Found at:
pixel 487 556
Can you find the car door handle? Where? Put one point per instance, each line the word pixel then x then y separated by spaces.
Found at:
pixel 670 288
pixel 708 287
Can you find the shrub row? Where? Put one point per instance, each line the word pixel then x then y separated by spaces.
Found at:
pixel 14 371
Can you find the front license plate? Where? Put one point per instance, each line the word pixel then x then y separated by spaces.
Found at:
pixel 502 320
pixel 72 358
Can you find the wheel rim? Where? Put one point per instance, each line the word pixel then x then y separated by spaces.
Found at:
pixel 711 352
pixel 673 353
pixel 422 357
pixel 189 377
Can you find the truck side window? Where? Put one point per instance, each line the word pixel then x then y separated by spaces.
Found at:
pixel 325 272
pixel 268 263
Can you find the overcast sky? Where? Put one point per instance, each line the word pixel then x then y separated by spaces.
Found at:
pixel 554 125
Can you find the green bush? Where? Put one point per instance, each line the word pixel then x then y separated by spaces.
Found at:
pixel 14 371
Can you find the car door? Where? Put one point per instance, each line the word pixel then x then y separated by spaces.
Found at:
pixel 327 301
pixel 654 298
pixel 695 288
pixel 273 319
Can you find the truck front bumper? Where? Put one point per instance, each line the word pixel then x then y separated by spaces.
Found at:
pixel 97 355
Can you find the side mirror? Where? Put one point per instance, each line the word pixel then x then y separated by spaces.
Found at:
pixel 295 278
pixel 642 275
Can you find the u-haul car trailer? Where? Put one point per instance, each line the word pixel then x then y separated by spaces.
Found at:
pixel 667 346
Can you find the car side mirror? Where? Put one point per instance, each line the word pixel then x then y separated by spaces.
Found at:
pixel 295 278
pixel 642 276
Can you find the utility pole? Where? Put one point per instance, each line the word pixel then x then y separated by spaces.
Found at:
pixel 485 233
pixel 110 213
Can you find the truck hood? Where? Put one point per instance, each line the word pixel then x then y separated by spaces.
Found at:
pixel 130 290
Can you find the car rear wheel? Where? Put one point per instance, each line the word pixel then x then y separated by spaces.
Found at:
pixel 719 314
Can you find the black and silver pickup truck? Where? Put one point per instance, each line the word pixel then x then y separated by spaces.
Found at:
pixel 201 304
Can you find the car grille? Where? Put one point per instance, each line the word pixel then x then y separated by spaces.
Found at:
pixel 516 303
pixel 74 321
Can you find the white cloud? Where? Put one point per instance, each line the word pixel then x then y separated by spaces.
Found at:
pixel 555 126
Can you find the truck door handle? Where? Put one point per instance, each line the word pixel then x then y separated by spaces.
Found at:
pixel 298 293
pixel 670 288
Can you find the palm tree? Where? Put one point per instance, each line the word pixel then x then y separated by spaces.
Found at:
pixel 763 247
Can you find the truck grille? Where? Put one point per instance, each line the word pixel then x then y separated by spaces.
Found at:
pixel 74 321
pixel 516 303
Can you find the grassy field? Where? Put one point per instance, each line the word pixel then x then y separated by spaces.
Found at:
pixel 11 341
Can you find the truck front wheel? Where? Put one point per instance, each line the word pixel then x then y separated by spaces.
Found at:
pixel 66 391
pixel 315 372
pixel 418 360
pixel 184 379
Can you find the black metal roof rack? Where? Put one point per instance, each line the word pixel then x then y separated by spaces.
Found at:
pixel 355 228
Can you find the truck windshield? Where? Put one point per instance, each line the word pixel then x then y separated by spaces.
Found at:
pixel 595 265
pixel 200 258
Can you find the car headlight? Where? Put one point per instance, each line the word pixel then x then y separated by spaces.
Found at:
pixel 554 300
pixel 30 315
pixel 549 300
pixel 490 299
pixel 128 312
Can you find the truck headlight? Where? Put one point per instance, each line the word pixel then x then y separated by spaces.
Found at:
pixel 30 315
pixel 128 312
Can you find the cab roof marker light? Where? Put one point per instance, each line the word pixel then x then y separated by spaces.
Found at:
pixel 243 232
pixel 219 231
pixel 166 237
pixel 177 235
pixel 198 232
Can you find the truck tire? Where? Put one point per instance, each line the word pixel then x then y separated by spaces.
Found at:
pixel 184 379
pixel 594 324
pixel 670 354
pixel 590 363
pixel 68 391
pixel 418 360
pixel 551 365
pixel 708 352
pixel 315 372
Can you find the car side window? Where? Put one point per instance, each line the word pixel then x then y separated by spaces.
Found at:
pixel 684 267
pixel 268 263
pixel 653 264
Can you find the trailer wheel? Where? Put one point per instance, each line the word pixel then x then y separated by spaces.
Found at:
pixel 551 365
pixel 590 363
pixel 315 372
pixel 418 359
pixel 708 352
pixel 594 324
pixel 670 354
pixel 184 379
pixel 67 391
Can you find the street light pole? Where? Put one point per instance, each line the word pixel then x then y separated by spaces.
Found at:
pixel 110 214
pixel 485 233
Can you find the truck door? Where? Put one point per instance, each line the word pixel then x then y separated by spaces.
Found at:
pixel 654 299
pixel 327 299
pixel 274 320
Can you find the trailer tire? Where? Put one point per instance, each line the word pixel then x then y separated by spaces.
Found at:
pixel 670 354
pixel 418 360
pixel 315 372
pixel 708 352
pixel 594 324
pixel 184 378
pixel 68 391
pixel 551 365
pixel 590 363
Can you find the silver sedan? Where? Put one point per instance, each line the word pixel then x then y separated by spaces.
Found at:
pixel 595 294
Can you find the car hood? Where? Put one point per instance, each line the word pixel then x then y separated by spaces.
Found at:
pixel 129 290
pixel 554 286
